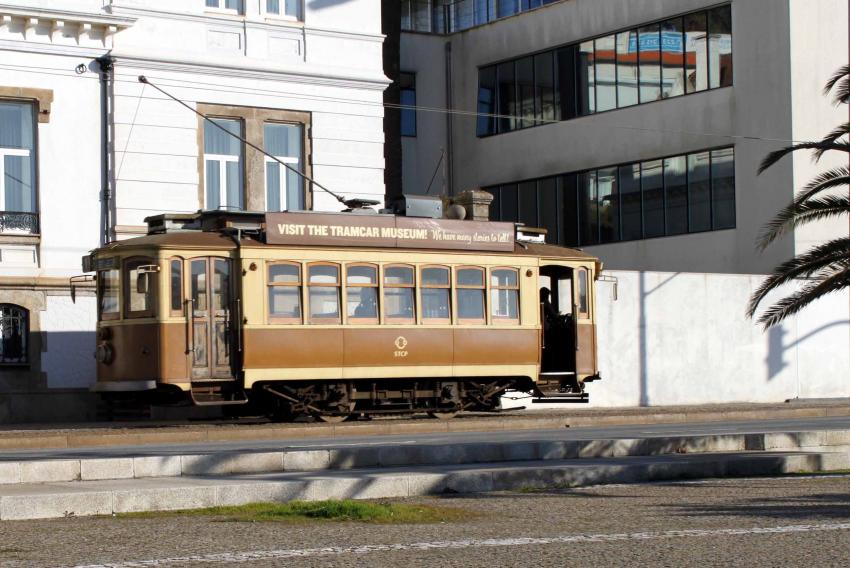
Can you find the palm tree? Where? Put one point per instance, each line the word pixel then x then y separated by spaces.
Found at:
pixel 826 267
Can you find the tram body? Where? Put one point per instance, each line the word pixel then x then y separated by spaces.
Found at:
pixel 212 313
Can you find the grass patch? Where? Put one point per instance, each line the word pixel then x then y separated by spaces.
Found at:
pixel 346 510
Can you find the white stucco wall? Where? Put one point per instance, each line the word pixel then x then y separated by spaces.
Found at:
pixel 68 329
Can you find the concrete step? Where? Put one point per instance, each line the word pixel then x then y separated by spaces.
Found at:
pixel 138 465
pixel 81 498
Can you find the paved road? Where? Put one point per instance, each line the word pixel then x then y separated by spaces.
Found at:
pixel 634 431
pixel 742 522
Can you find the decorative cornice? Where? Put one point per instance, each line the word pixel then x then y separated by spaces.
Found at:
pixel 242 69
pixel 54 25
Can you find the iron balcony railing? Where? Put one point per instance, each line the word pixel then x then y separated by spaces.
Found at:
pixel 18 222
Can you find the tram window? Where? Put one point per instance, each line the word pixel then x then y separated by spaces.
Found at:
pixel 504 295
pixel 399 292
pixel 137 303
pixel 221 285
pixel 582 292
pixel 199 285
pixel 285 293
pixel 107 282
pixel 435 288
pixel 362 293
pixel 470 295
pixel 176 286
pixel 323 287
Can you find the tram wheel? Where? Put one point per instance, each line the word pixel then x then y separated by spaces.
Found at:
pixel 448 415
pixel 331 418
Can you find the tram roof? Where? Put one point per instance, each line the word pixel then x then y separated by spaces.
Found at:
pixel 222 241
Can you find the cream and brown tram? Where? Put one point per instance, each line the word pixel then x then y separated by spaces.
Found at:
pixel 334 315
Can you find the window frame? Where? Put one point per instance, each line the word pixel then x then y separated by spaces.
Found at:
pixel 448 287
pixel 281 14
pixel 308 286
pixel 108 316
pixel 396 320
pixel 182 311
pixel 223 160
pixel 582 275
pixel 504 320
pixel 299 285
pixel 297 163
pixel 125 283
pixel 25 339
pixel 360 320
pixel 32 154
pixel 458 287
pixel 240 11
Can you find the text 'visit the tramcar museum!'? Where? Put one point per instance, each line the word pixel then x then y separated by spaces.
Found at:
pixel 334 314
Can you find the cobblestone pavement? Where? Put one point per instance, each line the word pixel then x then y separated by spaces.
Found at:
pixel 742 522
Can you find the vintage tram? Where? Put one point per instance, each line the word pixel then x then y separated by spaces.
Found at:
pixel 341 314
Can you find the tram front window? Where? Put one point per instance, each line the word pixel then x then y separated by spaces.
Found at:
pixel 107 282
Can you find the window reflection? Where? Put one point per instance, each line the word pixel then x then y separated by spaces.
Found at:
pixel 506 106
pixel 672 59
pixel 588 212
pixel 545 87
pixel 606 73
pixel 720 46
pixel 525 91
pixel 649 60
pixel 586 79
pixel 652 187
pixel 627 69
pixel 723 188
pixel 676 195
pixel 487 101
pixel 630 201
pixel 696 54
pixel 608 205
pixel 699 192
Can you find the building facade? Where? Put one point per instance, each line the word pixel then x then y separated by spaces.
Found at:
pixel 634 130
pixel 87 151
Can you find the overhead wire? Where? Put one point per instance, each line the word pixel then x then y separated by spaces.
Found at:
pixel 323 98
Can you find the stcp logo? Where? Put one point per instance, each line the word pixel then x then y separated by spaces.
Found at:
pixel 400 344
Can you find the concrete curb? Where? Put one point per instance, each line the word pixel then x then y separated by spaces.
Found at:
pixel 390 456
pixel 84 436
pixel 33 501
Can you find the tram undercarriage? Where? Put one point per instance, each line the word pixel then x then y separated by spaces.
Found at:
pixel 335 401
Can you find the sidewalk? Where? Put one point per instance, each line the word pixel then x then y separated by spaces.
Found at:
pixel 38 436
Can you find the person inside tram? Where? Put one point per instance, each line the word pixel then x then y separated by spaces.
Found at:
pixel 550 314
pixel 367 307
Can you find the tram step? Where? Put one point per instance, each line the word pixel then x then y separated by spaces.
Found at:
pixel 561 398
pixel 217 398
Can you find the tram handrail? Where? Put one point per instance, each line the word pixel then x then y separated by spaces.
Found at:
pixel 190 326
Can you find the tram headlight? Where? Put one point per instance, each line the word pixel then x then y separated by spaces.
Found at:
pixel 104 353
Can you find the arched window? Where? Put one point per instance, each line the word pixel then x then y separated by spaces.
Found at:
pixel 14 334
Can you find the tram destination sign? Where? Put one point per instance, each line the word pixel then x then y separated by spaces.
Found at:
pixel 387 231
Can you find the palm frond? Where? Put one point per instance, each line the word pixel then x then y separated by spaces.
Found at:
pixel 819 147
pixel 837 132
pixel 830 256
pixel 800 212
pixel 840 81
pixel 829 179
pixel 792 304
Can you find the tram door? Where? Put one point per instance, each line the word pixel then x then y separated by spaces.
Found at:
pixel 210 322
pixel 568 335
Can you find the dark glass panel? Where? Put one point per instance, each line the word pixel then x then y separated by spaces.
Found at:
pixel 585 80
pixel 547 196
pixel 528 203
pixel 627 69
pixel 699 191
pixel 525 91
pixel 606 73
pixel 510 208
pixel 407 85
pixel 676 194
pixel 569 211
pixel 544 87
pixel 696 54
pixel 506 97
pixel 566 84
pixel 608 205
pixel 495 207
pixel 481 12
pixel 486 101
pixel 588 212
pixel 649 60
pixel 723 188
pixel 720 46
pixel 506 8
pixel 630 201
pixel 652 188
pixel 672 58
